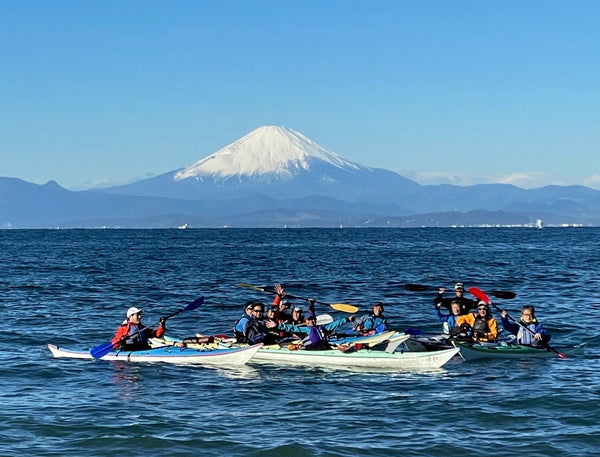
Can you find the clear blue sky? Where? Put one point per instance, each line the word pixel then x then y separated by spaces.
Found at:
pixel 438 91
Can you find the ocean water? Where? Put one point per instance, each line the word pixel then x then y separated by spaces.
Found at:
pixel 72 287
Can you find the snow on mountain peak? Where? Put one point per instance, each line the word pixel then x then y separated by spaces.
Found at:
pixel 273 150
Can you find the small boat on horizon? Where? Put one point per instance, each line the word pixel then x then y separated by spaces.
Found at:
pixel 182 227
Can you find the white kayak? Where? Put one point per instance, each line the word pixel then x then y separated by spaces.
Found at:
pixel 353 358
pixel 170 354
pixel 363 358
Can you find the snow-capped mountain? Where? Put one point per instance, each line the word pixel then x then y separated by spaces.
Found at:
pixel 275 177
pixel 268 150
pixel 278 162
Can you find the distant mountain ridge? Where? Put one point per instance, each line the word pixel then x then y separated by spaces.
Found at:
pixel 275 176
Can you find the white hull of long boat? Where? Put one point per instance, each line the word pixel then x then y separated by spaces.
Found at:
pixel 169 354
pixel 363 358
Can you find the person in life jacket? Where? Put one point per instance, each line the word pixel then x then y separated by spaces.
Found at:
pixel 528 330
pixel 314 336
pixel 255 330
pixel 449 320
pixel 372 323
pixel 273 335
pixel 466 304
pixel 132 335
pixel 483 326
pixel 297 316
pixel 240 324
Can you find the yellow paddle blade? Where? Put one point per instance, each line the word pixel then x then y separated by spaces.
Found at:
pixel 344 307
pixel 243 284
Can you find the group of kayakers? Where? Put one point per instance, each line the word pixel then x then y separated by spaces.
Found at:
pixel 466 320
pixel 481 326
pixel 277 324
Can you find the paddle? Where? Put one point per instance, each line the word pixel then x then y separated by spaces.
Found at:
pixel 503 294
pixel 337 306
pixel 101 350
pixel 482 296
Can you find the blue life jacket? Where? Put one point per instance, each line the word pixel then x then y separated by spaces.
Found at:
pixel 239 326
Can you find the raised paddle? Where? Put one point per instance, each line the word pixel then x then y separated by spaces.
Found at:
pixel 337 306
pixel 481 295
pixel 101 350
pixel 503 294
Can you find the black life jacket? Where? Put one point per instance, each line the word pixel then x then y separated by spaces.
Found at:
pixel 481 324
pixel 255 331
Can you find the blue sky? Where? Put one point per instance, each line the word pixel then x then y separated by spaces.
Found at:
pixel 439 91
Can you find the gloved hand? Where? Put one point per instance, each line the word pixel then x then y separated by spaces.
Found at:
pixel 162 322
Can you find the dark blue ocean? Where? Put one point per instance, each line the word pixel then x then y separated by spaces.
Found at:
pixel 72 288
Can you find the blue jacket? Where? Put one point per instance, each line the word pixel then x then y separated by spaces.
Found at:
pixel 524 336
pixel 450 319
pixel 371 322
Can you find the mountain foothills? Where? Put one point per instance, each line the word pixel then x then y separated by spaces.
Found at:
pixel 276 177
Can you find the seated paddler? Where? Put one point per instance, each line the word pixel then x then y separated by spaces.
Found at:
pixel 132 335
pixel 314 337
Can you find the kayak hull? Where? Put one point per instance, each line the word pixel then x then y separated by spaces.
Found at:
pixel 512 351
pixel 356 359
pixel 364 358
pixel 169 354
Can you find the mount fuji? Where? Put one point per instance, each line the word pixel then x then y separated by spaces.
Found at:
pixel 277 177
pixel 277 162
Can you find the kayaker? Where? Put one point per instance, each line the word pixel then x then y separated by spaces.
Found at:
pixel 282 304
pixel 466 304
pixel 255 330
pixel 271 316
pixel 297 316
pixel 372 323
pixel 483 325
pixel 449 320
pixel 528 330
pixel 240 324
pixel 315 335
pixel 139 335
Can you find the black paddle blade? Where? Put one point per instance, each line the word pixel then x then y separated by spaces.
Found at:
pixel 415 287
pixel 195 304
pixel 504 294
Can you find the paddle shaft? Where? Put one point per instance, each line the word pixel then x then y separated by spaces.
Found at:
pixel 482 296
